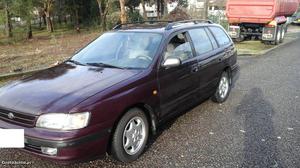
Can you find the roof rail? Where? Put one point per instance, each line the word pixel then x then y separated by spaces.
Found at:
pixel 119 26
pixel 170 24
pixel 196 21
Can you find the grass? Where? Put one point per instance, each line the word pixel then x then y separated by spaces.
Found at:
pixel 252 47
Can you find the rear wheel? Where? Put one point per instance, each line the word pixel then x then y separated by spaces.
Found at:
pixel 277 36
pixel 223 89
pixel 130 137
pixel 283 30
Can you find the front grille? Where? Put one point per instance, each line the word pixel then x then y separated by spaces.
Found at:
pixel 17 118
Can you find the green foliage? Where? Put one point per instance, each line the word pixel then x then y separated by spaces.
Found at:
pixel 183 3
pixel 132 4
pixel 23 9
pixel 219 19
pixel 2 18
pixel 135 16
pixel 113 19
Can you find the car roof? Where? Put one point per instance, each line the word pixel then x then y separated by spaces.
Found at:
pixel 161 26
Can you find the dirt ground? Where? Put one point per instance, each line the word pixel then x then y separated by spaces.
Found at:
pixel 41 52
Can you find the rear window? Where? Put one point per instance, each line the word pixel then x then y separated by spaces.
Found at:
pixel 220 35
pixel 201 41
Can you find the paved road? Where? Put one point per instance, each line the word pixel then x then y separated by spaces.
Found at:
pixel 259 126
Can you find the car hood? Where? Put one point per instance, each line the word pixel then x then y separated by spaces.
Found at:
pixel 60 88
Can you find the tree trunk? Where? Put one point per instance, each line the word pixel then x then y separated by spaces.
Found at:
pixel 47 10
pixel 206 5
pixel 123 12
pixel 8 24
pixel 59 12
pixel 44 19
pixel 103 13
pixel 144 10
pixel 75 16
pixel 158 9
pixel 29 29
pixel 100 10
pixel 165 7
pixel 65 20
pixel 40 22
pixel 104 16
pixel 49 21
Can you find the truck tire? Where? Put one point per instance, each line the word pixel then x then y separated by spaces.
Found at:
pixel 283 31
pixel 277 36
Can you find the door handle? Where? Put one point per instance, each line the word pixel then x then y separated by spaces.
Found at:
pixel 195 69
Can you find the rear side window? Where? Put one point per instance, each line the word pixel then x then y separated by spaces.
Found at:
pixel 212 39
pixel 220 35
pixel 201 41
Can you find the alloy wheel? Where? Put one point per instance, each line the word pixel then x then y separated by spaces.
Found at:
pixel 134 135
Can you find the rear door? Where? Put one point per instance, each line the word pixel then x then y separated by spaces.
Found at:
pixel 225 49
pixel 209 57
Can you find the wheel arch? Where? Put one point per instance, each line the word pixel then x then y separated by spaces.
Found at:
pixel 228 70
pixel 150 114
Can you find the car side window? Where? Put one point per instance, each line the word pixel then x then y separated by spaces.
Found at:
pixel 179 47
pixel 201 41
pixel 212 39
pixel 220 35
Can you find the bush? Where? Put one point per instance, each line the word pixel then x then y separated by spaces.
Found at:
pixel 113 19
pixel 134 16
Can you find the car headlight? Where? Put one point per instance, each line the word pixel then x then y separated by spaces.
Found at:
pixel 61 121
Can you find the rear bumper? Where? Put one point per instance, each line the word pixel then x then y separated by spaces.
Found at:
pixel 72 146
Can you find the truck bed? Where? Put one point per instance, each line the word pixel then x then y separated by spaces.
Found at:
pixel 259 11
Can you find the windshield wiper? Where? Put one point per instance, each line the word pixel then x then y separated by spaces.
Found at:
pixel 104 65
pixel 75 62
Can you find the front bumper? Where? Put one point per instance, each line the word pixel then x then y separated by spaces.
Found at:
pixel 72 146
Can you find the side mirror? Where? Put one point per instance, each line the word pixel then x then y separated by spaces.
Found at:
pixel 171 62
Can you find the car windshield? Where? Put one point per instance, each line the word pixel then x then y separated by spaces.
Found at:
pixel 120 49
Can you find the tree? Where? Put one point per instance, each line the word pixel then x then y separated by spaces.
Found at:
pixel 48 4
pixel 144 9
pixel 206 5
pixel 24 9
pixel 103 6
pixel 8 25
pixel 123 12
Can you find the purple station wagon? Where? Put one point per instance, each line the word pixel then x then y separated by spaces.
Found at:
pixel 112 95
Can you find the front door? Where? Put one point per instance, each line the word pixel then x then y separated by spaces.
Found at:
pixel 177 84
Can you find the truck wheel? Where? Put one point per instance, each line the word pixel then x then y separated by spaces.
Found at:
pixel 283 30
pixel 239 39
pixel 277 36
pixel 130 137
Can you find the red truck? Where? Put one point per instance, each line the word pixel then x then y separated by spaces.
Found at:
pixel 259 19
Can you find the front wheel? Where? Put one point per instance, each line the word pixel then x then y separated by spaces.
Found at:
pixel 223 89
pixel 130 137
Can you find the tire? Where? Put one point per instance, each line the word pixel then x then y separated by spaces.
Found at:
pixel 224 88
pixel 283 31
pixel 133 130
pixel 277 36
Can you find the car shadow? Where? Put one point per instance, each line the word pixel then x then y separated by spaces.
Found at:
pixel 260 142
